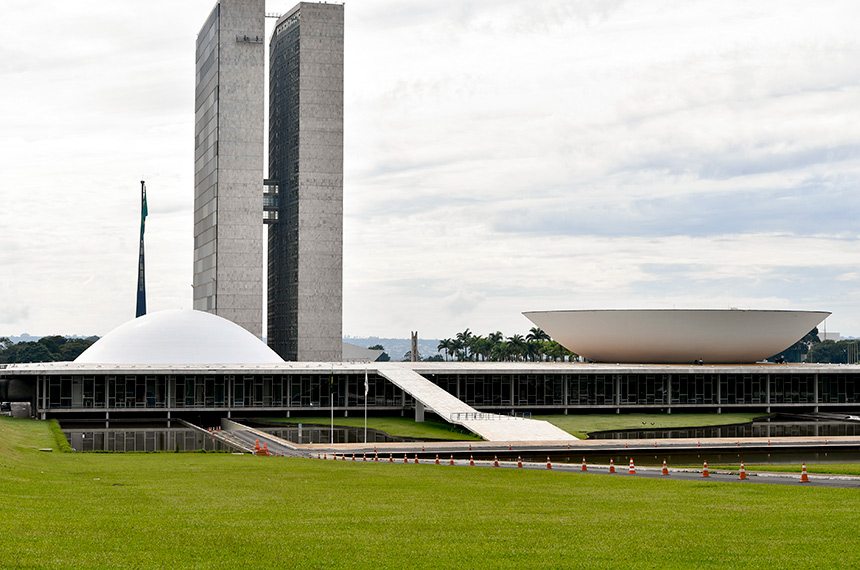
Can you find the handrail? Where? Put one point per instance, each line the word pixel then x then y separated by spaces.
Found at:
pixel 465 416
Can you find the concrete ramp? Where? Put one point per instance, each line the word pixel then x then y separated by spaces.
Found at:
pixel 492 427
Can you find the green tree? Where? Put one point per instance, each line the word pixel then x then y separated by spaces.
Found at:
pixel 32 352
pixel 464 338
pixel 833 352
pixel 445 345
pixel 517 345
pixel 459 349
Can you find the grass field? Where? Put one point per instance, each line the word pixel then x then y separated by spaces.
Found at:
pixel 580 425
pixel 405 427
pixel 191 510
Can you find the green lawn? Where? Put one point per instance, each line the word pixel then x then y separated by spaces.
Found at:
pixel 405 427
pixel 580 425
pixel 192 510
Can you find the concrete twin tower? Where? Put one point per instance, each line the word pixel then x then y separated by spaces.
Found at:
pixel 301 199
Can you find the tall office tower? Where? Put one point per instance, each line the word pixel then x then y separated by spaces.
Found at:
pixel 229 162
pixel 306 161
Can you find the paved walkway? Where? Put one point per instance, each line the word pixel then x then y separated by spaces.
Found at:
pixel 492 427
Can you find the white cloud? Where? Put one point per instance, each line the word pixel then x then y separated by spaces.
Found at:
pixel 500 157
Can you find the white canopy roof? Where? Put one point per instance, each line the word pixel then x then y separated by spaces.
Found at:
pixel 676 335
pixel 179 337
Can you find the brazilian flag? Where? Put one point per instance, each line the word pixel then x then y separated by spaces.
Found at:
pixel 141 278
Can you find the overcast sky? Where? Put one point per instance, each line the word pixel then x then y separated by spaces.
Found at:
pixel 500 156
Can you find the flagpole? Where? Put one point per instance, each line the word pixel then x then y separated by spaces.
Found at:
pixel 331 401
pixel 365 404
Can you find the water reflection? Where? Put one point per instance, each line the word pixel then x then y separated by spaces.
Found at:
pixel 760 428
pixel 314 433
pixel 141 439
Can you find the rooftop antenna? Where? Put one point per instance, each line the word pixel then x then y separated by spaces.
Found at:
pixel 141 280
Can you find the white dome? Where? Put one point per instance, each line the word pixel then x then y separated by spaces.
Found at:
pixel 179 337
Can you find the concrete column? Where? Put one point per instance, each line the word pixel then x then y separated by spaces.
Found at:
pixel 668 379
pixel 419 412
pixel 815 397
pixel 566 399
pixel 767 379
pixel 719 393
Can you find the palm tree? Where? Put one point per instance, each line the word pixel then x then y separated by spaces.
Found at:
pixel 464 337
pixel 536 338
pixel 537 333
pixel 456 347
pixel 500 351
pixel 518 345
pixel 533 350
pixel 478 347
pixel 445 346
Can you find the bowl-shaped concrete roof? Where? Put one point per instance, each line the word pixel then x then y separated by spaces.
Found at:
pixel 676 335
pixel 179 337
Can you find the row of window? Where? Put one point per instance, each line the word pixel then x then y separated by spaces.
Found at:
pixel 523 390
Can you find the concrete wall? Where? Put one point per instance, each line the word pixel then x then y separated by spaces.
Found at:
pixel 228 230
pixel 321 183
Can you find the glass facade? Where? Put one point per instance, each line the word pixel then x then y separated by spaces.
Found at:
pixel 488 391
pixel 283 260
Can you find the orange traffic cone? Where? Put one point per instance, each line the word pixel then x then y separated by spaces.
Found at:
pixel 265 449
pixel 256 446
pixel 471 461
pixel 705 470
pixel 632 470
pixel 470 447
pixel 452 460
pixel 391 458
pixel 318 455
pixel 353 457
pixel 611 466
pixel 405 459
pixel 519 461
pixel 364 457
pixel 437 459
pixel 343 457
pixel 375 455
pixel 325 456
pixel 422 449
pixel 510 447
pixel 548 464
pixel 584 466
pixel 416 458
pixel 495 461
pixel 665 468
pixel 804 478
pixel 742 474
